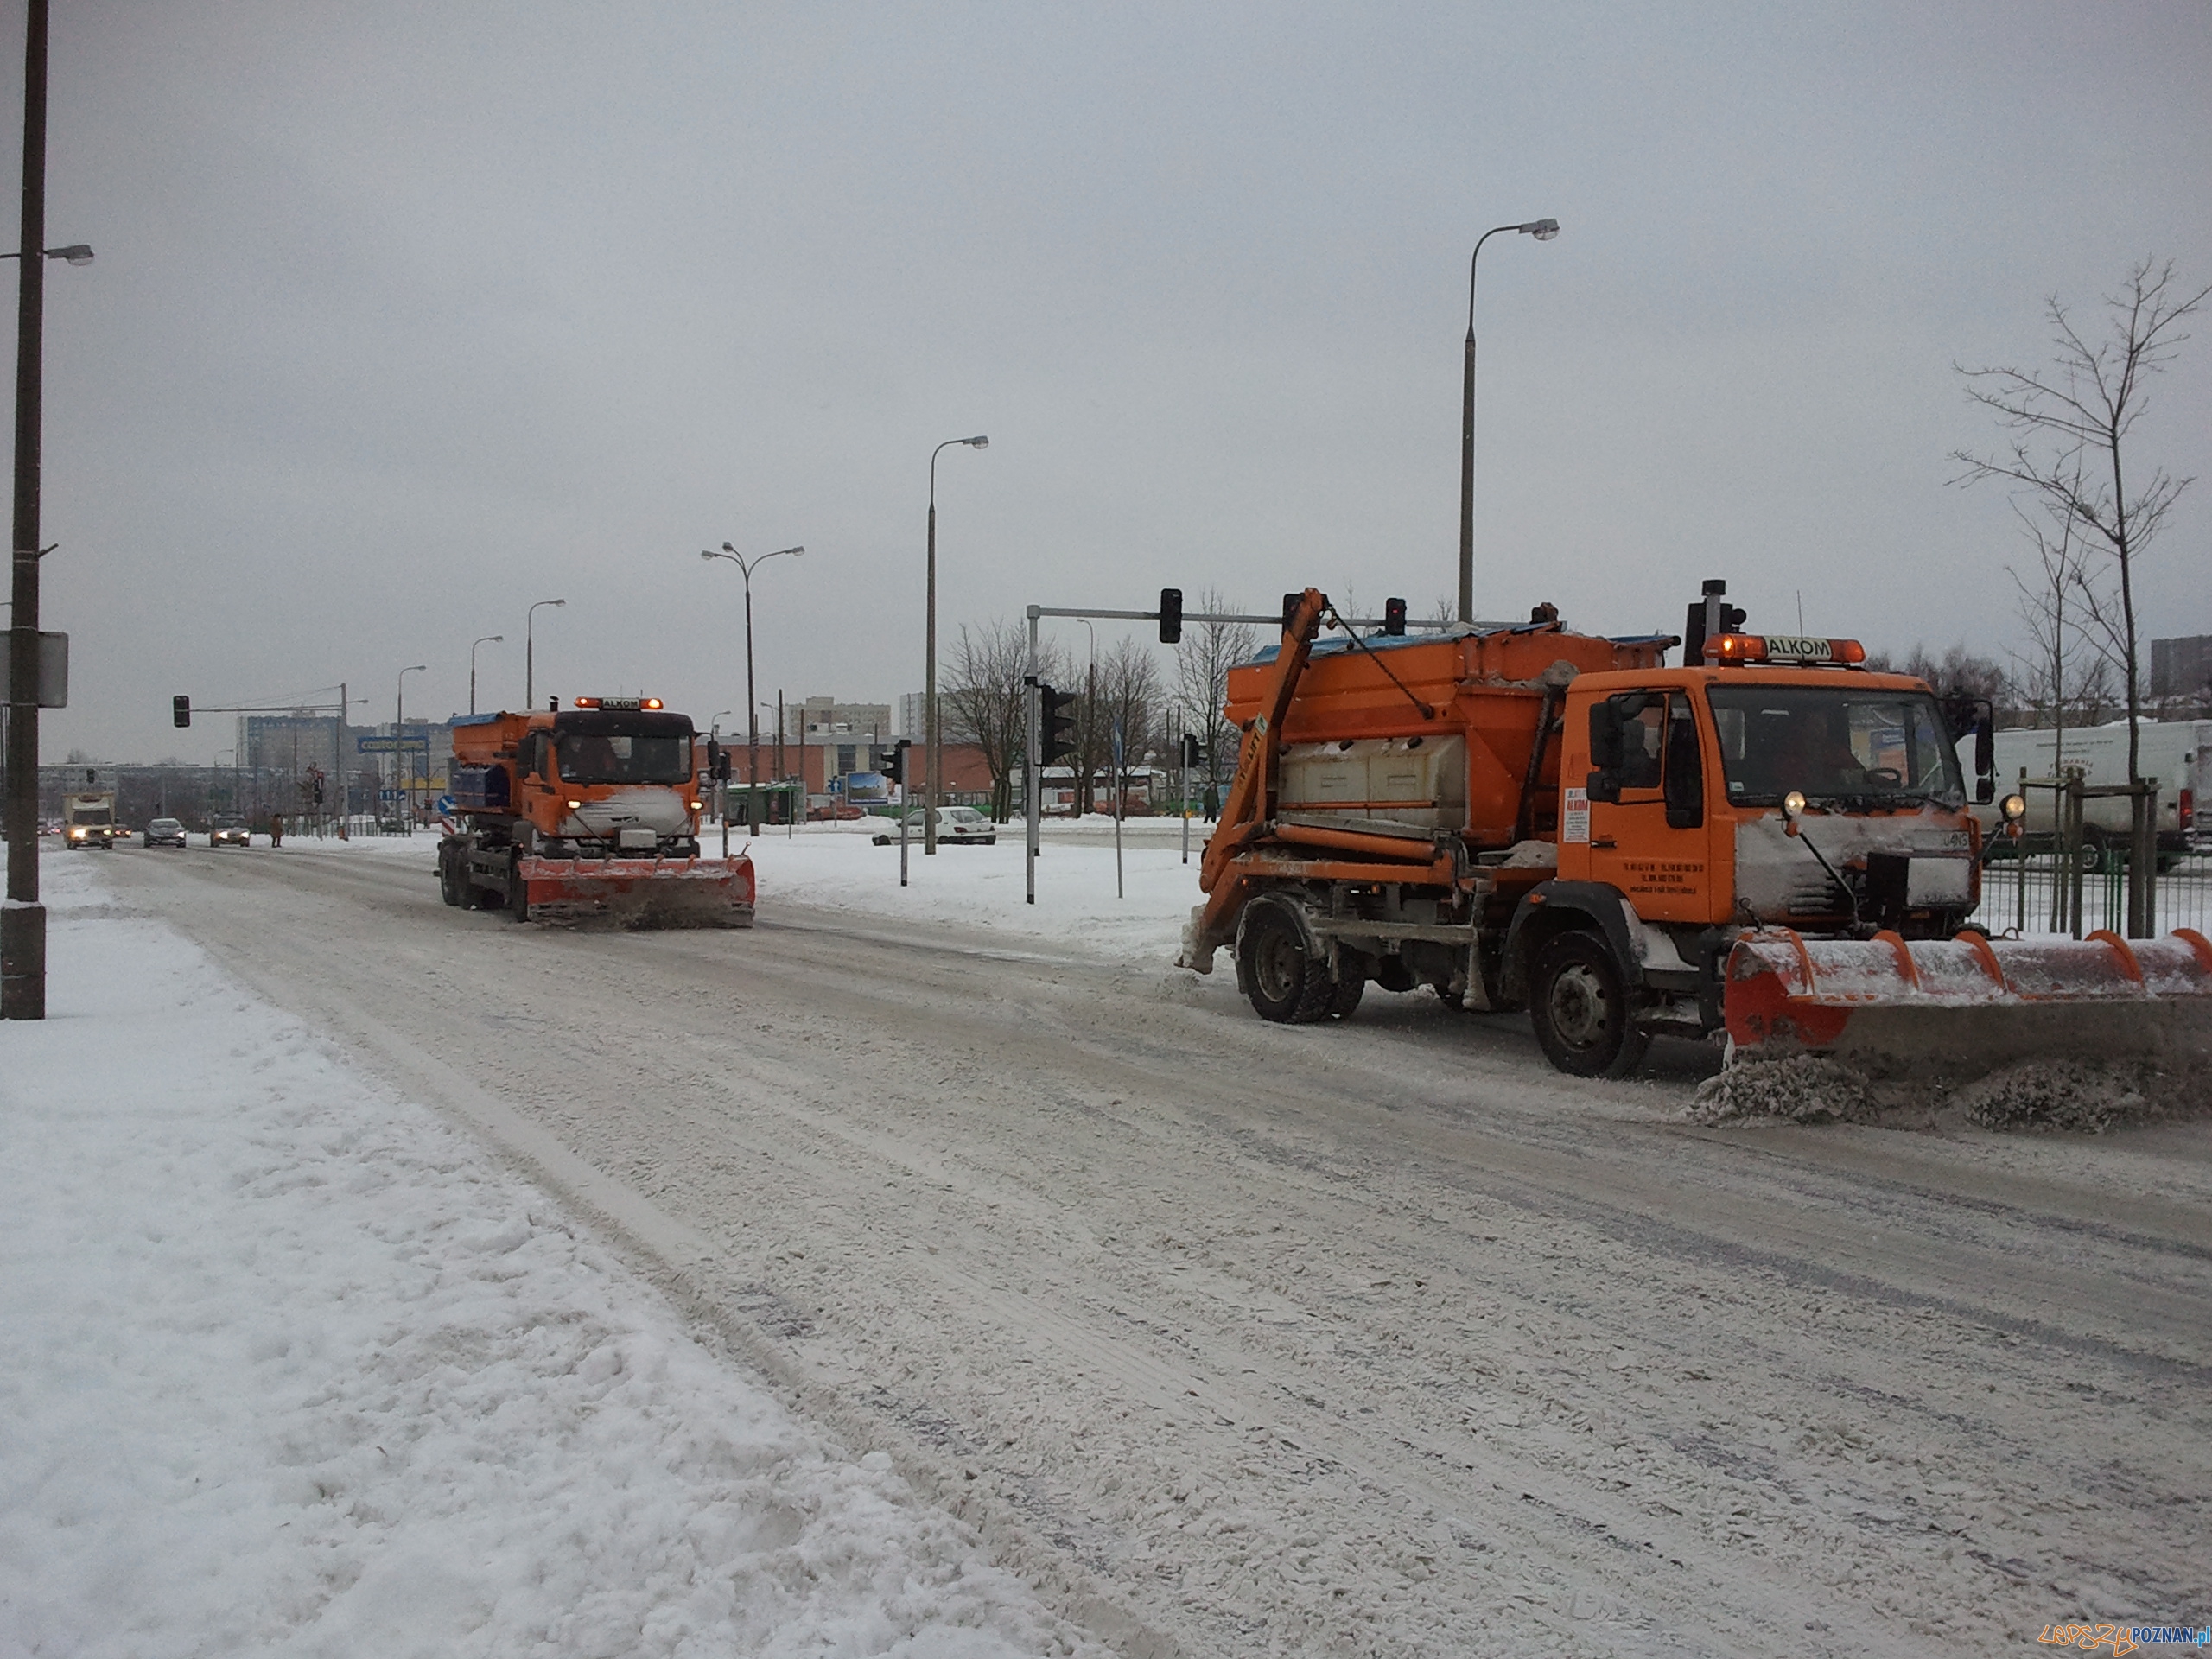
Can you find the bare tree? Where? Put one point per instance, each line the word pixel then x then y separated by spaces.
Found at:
pixel 988 698
pixel 2047 685
pixel 1202 659
pixel 1957 673
pixel 2068 424
pixel 1128 702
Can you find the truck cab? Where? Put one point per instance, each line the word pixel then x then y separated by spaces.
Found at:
pixel 1768 796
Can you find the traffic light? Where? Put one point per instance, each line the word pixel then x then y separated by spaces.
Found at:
pixel 894 760
pixel 181 711
pixel 718 760
pixel 1394 617
pixel 1731 618
pixel 1057 719
pixel 1171 615
pixel 1192 756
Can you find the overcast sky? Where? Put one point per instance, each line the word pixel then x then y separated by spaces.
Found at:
pixel 405 315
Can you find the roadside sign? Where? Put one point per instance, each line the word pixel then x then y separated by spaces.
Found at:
pixel 392 745
pixel 53 670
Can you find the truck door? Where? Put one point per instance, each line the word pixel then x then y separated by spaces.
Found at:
pixel 1650 839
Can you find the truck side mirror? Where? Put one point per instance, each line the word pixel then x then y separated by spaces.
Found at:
pixel 1985 757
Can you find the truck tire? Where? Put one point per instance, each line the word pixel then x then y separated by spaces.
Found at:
pixel 450 887
pixel 1579 1004
pixel 1287 985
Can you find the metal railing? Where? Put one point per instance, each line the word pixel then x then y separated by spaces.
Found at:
pixel 2050 892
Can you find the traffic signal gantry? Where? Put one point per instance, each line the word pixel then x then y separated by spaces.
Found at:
pixel 1046 743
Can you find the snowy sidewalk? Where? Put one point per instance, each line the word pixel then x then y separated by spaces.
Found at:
pixel 288 1366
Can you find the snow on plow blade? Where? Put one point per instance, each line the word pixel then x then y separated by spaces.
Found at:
pixel 639 892
pixel 1955 1008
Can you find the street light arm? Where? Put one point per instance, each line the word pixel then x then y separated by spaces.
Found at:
pixel 1543 229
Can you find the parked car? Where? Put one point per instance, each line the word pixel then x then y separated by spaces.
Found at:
pixel 229 832
pixel 163 832
pixel 957 826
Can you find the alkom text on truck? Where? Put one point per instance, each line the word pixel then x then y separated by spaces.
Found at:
pixel 1769 840
pixel 587 813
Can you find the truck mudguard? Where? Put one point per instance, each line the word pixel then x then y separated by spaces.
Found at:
pixel 1594 906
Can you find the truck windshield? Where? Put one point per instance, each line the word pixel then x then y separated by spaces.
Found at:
pixel 1837 744
pixel 622 758
pixel 91 815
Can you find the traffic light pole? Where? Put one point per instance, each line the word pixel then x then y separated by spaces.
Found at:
pixel 1032 762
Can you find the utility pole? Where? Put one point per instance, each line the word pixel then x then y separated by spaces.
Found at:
pixel 22 919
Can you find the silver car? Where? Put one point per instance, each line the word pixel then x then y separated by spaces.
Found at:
pixel 229 832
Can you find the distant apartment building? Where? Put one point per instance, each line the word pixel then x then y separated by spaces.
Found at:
pixel 291 744
pixel 2181 667
pixel 913 718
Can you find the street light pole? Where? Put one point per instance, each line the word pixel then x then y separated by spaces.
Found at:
pixel 934 759
pixel 529 652
pixel 22 919
pixel 487 639
pixel 1543 230
pixel 400 736
pixel 752 706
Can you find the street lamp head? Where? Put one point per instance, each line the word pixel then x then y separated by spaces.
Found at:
pixel 726 548
pixel 795 552
pixel 496 638
pixel 978 443
pixel 76 253
pixel 416 668
pixel 1543 229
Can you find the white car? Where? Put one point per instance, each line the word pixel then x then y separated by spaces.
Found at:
pixel 957 826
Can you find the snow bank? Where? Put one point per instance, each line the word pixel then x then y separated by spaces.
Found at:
pixel 1803 1089
pixel 2077 1095
pixel 291 1367
pixel 2034 1096
pixel 825 866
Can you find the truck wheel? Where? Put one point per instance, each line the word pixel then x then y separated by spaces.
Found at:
pixel 1580 1009
pixel 449 885
pixel 1287 985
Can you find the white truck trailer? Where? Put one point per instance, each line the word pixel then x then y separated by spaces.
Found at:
pixel 2178 753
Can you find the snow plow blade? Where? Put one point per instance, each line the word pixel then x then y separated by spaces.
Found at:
pixel 638 893
pixel 1958 1008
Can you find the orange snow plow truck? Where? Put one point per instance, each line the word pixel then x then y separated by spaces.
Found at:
pixel 1770 841
pixel 584 814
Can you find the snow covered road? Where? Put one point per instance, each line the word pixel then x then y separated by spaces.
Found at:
pixel 1236 1338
